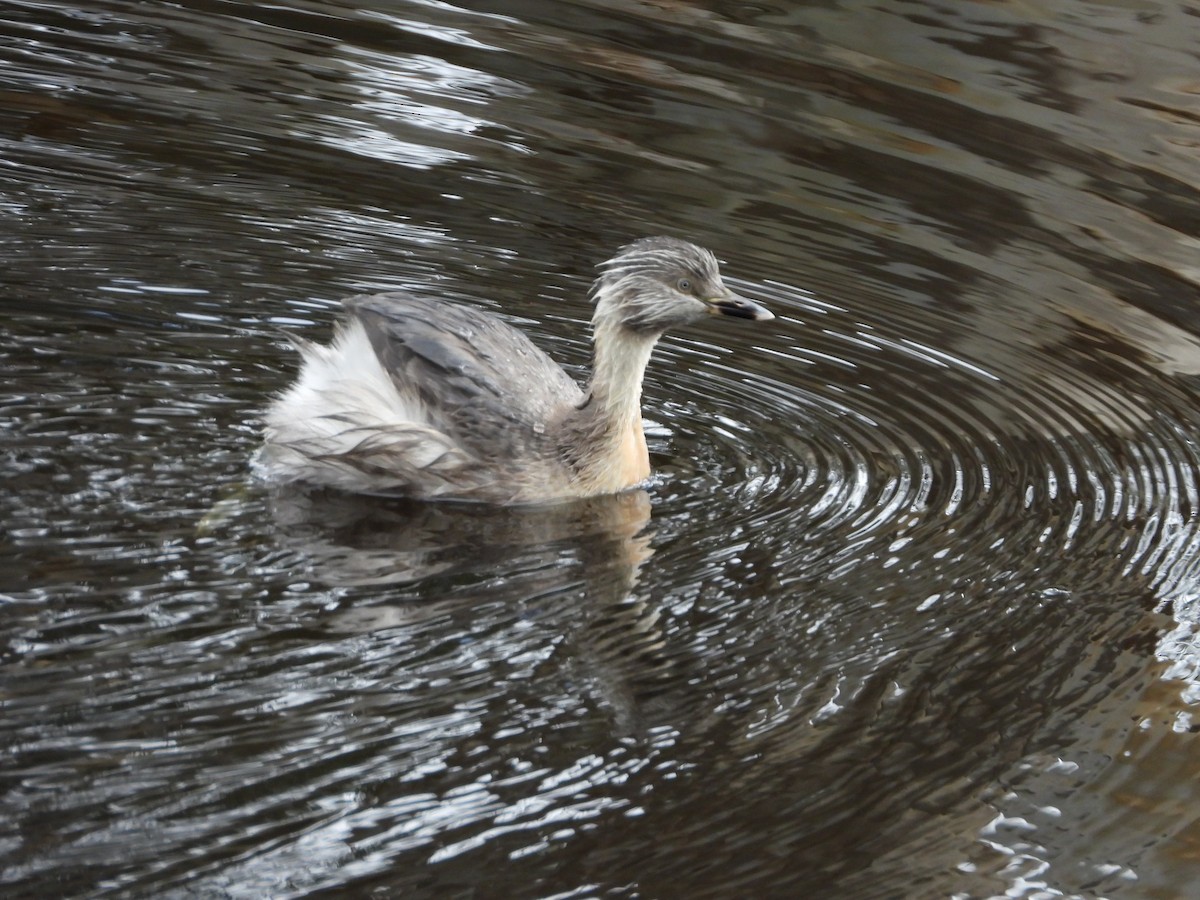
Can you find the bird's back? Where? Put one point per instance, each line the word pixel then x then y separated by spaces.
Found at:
pixel 477 378
pixel 424 398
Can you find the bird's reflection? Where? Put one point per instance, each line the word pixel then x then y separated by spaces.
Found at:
pixel 354 541
pixel 573 566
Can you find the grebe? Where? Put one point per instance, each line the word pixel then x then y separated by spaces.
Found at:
pixel 425 399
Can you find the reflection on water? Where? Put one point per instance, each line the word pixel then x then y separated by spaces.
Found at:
pixel 909 608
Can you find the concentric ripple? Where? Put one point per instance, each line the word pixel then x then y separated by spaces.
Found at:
pixel 856 428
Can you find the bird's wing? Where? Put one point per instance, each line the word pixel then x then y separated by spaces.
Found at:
pixel 479 380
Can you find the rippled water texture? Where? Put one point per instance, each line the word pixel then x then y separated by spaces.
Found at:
pixel 909 609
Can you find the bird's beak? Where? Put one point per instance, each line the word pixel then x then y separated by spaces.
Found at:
pixel 739 307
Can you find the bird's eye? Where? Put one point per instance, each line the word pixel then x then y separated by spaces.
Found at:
pixel 685 286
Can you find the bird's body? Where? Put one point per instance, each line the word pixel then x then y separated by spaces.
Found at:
pixel 432 400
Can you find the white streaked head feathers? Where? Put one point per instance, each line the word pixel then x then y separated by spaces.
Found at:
pixel 655 283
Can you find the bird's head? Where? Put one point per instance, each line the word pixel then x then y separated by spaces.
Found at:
pixel 657 283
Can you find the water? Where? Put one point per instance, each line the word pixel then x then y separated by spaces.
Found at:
pixel 910 606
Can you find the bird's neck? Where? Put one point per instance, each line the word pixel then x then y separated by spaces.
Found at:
pixel 611 420
pixel 619 362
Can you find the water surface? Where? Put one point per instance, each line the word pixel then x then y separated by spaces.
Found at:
pixel 909 608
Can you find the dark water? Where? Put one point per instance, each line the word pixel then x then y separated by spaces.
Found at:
pixel 910 608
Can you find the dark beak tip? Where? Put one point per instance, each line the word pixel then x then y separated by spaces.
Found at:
pixel 741 308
